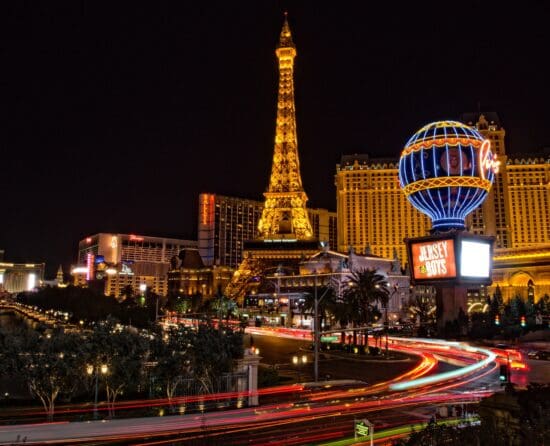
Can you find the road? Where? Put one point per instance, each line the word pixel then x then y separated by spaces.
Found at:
pixel 278 352
pixel 330 409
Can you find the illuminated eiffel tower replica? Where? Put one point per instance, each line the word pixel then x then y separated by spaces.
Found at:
pixel 285 234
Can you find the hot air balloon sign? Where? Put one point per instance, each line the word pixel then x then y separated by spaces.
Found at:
pixel 446 170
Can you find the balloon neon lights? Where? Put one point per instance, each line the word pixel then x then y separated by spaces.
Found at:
pixel 442 142
pixel 446 170
pixel 434 183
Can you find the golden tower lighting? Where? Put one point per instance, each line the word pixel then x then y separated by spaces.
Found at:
pixel 284 214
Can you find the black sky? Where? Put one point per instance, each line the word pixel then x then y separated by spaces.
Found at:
pixel 118 116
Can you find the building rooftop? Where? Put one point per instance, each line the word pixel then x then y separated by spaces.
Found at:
pixel 363 159
pixel 472 118
pixel 190 258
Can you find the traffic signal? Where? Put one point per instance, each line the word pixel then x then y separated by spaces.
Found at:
pixel 522 321
pixel 503 375
pixel 497 320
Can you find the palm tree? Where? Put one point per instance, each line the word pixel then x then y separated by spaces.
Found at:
pixel 342 313
pixel 326 299
pixel 365 287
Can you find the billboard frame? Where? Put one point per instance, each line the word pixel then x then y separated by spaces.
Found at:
pixel 457 237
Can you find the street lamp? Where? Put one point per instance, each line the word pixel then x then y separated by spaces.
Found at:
pixel 316 327
pixel 386 321
pixel 277 284
pixel 93 369
pixel 299 362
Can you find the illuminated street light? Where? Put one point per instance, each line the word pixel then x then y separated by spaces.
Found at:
pixel 316 331
pixel 386 321
pixel 92 369
pixel 299 362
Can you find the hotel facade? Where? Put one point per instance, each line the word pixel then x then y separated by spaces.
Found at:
pixel 225 223
pixel 122 260
pixel 374 217
pixel 17 277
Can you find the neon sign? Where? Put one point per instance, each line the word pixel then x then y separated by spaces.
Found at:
pixel 206 208
pixel 135 238
pixel 487 160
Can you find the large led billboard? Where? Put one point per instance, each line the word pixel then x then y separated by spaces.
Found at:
pixel 434 259
pixel 450 258
pixel 475 259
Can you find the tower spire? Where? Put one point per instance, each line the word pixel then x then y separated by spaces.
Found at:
pixel 285 41
pixel 284 212
pixel 59 275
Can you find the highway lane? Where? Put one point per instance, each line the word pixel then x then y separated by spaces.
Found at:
pixel 417 393
pixel 137 428
pixel 278 351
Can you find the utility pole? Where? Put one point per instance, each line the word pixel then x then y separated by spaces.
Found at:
pixel 387 322
pixel 316 331
pixel 317 325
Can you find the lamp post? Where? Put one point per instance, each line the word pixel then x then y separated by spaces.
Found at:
pixel 316 326
pixel 386 321
pixel 277 294
pixel 316 332
pixel 95 370
pixel 299 362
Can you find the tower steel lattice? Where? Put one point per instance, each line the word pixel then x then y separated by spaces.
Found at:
pixel 284 214
pixel 285 235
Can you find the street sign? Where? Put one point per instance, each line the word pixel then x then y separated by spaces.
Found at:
pixel 361 429
pixel 364 428
pixel 329 338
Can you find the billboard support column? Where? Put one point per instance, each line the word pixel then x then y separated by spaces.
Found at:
pixel 449 301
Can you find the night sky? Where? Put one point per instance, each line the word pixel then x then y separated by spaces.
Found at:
pixel 118 116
